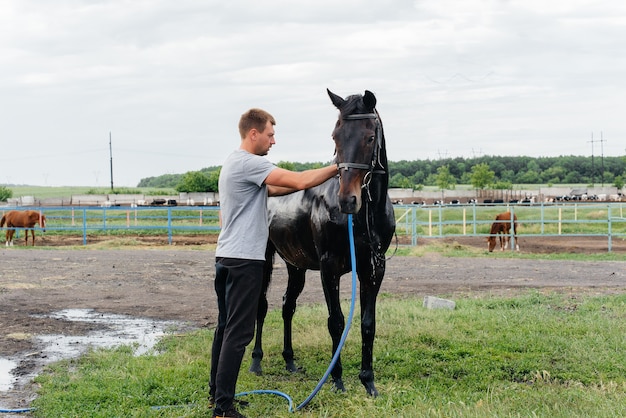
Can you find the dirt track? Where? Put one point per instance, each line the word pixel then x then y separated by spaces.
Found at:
pixel 175 282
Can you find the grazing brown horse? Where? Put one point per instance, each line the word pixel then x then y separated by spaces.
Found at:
pixel 502 229
pixel 22 219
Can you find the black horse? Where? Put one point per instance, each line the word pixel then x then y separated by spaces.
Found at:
pixel 310 232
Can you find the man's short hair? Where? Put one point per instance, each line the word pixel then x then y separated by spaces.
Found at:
pixel 254 119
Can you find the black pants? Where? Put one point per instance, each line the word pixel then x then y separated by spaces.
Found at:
pixel 238 286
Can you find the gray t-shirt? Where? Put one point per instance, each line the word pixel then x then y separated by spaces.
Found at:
pixel 243 205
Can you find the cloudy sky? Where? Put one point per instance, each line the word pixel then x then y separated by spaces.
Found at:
pixel 167 80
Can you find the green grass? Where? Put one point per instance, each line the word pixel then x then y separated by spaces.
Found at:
pixel 45 192
pixel 549 355
pixel 454 249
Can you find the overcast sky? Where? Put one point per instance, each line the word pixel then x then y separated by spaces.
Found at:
pixel 169 79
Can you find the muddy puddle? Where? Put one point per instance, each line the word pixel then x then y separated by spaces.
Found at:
pixel 108 331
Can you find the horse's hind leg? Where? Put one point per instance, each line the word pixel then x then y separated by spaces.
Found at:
pixel 295 285
pixel 257 351
pixel 9 236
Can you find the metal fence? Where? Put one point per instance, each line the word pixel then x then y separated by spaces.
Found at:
pixel 567 219
pixel 413 221
pixel 124 220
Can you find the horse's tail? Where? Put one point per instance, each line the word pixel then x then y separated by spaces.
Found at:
pixel 3 220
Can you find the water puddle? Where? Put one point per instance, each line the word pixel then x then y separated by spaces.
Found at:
pixel 114 330
pixel 6 379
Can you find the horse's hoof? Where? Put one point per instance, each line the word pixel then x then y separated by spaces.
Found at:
pixel 291 367
pixel 371 389
pixel 338 385
pixel 256 368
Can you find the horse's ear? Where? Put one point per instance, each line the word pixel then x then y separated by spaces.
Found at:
pixel 338 101
pixel 369 100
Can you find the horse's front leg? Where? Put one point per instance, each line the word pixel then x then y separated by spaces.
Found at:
pixel 336 321
pixel 295 285
pixel 32 231
pixel 370 281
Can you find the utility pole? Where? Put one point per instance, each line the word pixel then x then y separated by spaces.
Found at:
pixel 602 157
pixel 111 155
pixel 593 168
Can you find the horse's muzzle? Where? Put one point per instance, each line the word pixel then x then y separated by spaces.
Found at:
pixel 350 204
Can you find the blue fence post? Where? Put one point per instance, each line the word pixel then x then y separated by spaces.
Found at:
pixel 84 226
pixel 512 239
pixel 169 225
pixel 542 218
pixel 440 220
pixel 474 216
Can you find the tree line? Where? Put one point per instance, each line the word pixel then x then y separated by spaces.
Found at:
pixel 481 172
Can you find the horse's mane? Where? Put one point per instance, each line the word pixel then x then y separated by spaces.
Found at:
pixel 353 104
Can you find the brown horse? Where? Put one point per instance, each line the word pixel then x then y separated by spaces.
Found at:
pixel 22 219
pixel 502 229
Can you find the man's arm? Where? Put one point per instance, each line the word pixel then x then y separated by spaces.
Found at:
pixel 280 181
pixel 279 191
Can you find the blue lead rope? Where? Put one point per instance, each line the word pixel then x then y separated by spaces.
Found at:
pixel 341 342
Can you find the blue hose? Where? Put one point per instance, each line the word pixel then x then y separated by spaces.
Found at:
pixel 341 342
pixel 16 411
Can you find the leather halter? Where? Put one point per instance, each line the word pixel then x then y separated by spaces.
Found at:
pixel 379 144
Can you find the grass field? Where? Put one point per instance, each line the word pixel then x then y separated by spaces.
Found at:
pixel 535 355
pixel 42 192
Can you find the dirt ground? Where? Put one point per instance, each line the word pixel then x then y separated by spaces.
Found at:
pixel 174 282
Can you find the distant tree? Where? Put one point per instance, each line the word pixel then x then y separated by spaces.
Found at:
pixel 399 181
pixel 418 177
pixel 528 177
pixel 165 180
pixel 502 185
pixel 573 177
pixel 287 165
pixel 445 180
pixel 5 194
pixel 214 177
pixel 194 182
pixel 608 177
pixel 482 176
pixel 618 182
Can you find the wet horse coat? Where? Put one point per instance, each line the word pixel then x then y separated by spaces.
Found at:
pixel 309 230
pixel 502 229
pixel 22 219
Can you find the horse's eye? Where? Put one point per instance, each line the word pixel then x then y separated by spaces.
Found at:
pixel 371 138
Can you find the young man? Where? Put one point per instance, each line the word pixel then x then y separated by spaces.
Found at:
pixel 246 180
